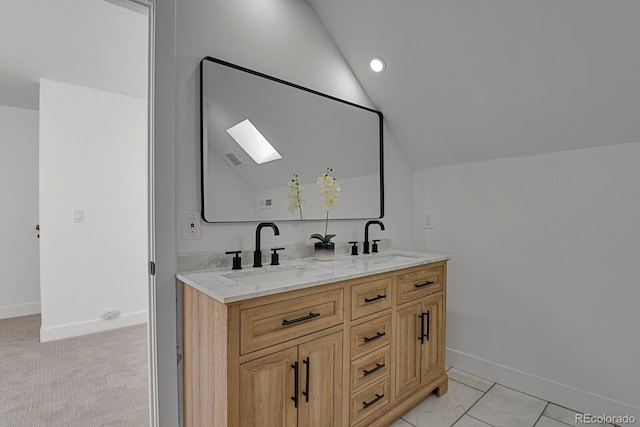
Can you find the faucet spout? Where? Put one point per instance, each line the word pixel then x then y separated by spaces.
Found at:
pixel 257 254
pixel 365 249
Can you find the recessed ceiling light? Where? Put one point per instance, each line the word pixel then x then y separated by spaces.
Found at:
pixel 253 143
pixel 377 64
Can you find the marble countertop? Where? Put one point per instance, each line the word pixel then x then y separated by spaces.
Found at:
pixel 229 286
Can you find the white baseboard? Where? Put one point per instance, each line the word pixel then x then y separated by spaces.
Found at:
pixel 53 333
pixel 17 310
pixel 562 394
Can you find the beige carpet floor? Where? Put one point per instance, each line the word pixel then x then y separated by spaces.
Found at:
pixel 93 380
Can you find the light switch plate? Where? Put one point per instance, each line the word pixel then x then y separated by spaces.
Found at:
pixel 428 220
pixel 191 225
pixel 78 215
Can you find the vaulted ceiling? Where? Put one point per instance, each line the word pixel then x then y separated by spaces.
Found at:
pixel 470 80
pixel 93 43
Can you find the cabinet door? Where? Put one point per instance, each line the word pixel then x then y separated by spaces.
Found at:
pixel 432 312
pixel 266 389
pixel 320 403
pixel 408 349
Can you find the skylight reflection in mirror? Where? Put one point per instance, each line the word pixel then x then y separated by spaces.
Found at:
pixel 249 138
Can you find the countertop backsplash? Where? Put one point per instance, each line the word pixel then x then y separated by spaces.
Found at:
pixel 212 260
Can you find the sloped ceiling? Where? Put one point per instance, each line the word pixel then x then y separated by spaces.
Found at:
pixel 92 43
pixel 469 80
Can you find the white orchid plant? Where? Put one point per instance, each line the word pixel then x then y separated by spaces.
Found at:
pixel 329 189
pixel 294 195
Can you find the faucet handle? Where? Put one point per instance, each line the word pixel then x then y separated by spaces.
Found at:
pixel 237 261
pixel 354 248
pixel 275 256
pixel 374 247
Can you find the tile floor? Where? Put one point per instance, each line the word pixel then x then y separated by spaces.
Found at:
pixel 475 402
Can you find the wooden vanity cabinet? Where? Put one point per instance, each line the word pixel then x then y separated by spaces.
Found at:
pixel 299 386
pixel 359 352
pixel 420 339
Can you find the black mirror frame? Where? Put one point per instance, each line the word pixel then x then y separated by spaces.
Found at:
pixel 315 92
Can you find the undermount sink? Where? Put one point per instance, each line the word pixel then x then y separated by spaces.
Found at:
pixel 266 277
pixel 384 259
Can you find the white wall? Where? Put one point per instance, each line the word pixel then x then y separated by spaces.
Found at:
pixel 19 256
pixel 544 281
pixel 93 156
pixel 283 38
pixel 163 290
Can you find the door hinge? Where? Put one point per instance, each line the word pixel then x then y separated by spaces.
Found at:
pixel 152 268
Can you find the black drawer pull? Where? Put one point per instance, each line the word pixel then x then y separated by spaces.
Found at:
pixel 372 370
pixel 367 300
pixel 300 319
pixel 430 282
pixel 375 337
pixel 365 405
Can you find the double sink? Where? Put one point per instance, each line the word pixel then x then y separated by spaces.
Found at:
pixel 304 270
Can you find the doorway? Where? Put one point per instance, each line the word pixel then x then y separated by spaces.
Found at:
pixel 73 72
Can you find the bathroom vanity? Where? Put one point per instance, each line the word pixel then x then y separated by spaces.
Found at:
pixel 356 341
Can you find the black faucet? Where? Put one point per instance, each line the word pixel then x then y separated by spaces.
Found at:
pixel 257 254
pixel 365 248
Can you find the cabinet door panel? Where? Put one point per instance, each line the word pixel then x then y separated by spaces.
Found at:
pixel 408 348
pixel 431 361
pixel 266 388
pixel 321 389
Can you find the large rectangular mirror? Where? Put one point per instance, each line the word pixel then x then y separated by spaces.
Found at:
pixel 258 131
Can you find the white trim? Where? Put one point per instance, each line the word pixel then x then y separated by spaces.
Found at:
pixel 91 326
pixel 562 394
pixel 17 310
pixel 152 333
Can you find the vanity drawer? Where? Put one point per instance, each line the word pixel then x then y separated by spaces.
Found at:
pixel 417 284
pixel 270 324
pixel 371 297
pixel 369 336
pixel 369 368
pixel 370 400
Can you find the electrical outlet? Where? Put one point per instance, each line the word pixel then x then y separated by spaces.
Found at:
pixel 428 220
pixel 110 315
pixel 266 203
pixel 191 225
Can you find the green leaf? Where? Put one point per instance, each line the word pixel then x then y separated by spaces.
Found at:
pixel 317 236
pixel 324 239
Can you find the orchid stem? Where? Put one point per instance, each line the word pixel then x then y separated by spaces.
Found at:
pixel 326 226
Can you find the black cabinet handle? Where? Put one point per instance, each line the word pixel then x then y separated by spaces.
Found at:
pixel 306 387
pixel 375 337
pixel 372 370
pixel 368 300
pixel 295 384
pixel 428 314
pixel 430 282
pixel 365 405
pixel 422 317
pixel 300 319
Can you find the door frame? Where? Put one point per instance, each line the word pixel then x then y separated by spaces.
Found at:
pixel 163 367
pixel 152 333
